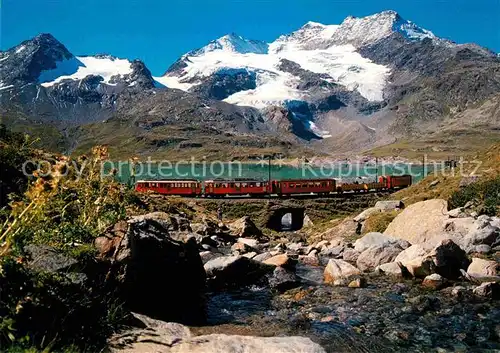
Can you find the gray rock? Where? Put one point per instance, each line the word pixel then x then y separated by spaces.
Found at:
pixel 250 255
pixel 483 268
pixel 147 264
pixel 363 216
pixel 339 270
pixel 350 255
pixel 234 271
pixel 219 343
pixel 208 255
pixel 263 257
pixel 434 281
pixel 245 228
pixel 419 222
pixel 457 213
pixel 390 268
pixel 283 279
pixel 335 252
pixel 482 249
pixel 155 336
pixel 49 259
pixel 377 255
pixel 385 206
pixel 448 259
pixel 380 240
pixel 490 290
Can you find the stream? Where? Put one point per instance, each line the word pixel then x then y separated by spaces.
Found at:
pixel 385 316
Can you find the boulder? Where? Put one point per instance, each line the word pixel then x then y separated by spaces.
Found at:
pixel 380 240
pixel 412 253
pixel 416 260
pixel 283 279
pixel 457 213
pixel 219 343
pixel 482 249
pixel 391 269
pixel 245 228
pixel 490 290
pixel 482 268
pixel 48 259
pixel 420 222
pixel 149 270
pixel 150 336
pixel 253 243
pixel 334 251
pixel 363 216
pixel 390 205
pixel 250 255
pixel 241 248
pixel 281 260
pixel 307 222
pixel 339 270
pixel 377 255
pixel 206 227
pixel 487 235
pixel 311 259
pixel 350 255
pixel 420 267
pixel 208 255
pixel 234 271
pixel 44 258
pixel 357 283
pixel 448 259
pixel 263 257
pixel 153 336
pixel 434 281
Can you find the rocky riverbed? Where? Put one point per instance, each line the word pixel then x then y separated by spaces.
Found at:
pixel 429 283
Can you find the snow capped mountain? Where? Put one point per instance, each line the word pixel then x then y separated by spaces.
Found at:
pixel 327 50
pixel 380 67
pixel 79 67
pixel 233 43
pixel 370 29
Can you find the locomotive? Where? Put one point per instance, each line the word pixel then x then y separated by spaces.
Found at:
pixel 218 188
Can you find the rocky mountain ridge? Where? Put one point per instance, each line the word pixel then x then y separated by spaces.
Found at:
pixel 349 87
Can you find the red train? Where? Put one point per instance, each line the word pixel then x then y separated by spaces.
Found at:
pixel 257 188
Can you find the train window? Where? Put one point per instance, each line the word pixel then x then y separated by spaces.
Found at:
pixel 236 184
pixel 146 184
pixel 304 185
pixel 245 185
pixel 257 185
pixel 290 185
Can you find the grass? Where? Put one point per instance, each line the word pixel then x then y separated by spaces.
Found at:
pixel 379 222
pixel 485 165
pixel 438 147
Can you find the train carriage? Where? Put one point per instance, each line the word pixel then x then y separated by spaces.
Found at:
pixel 258 188
pixel 396 182
pixel 171 187
pixel 303 186
pixel 221 188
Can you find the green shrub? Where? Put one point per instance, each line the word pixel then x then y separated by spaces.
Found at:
pixel 41 310
pixel 484 195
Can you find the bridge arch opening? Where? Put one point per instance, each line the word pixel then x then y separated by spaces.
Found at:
pixel 288 219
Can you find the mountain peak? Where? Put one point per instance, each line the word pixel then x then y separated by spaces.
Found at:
pixel 361 31
pixel 233 43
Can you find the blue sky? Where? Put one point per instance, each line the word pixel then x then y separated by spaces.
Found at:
pixel 159 31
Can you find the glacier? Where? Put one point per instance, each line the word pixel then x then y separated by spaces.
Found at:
pixel 79 67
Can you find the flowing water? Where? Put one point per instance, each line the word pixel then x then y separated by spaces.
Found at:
pixel 385 316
